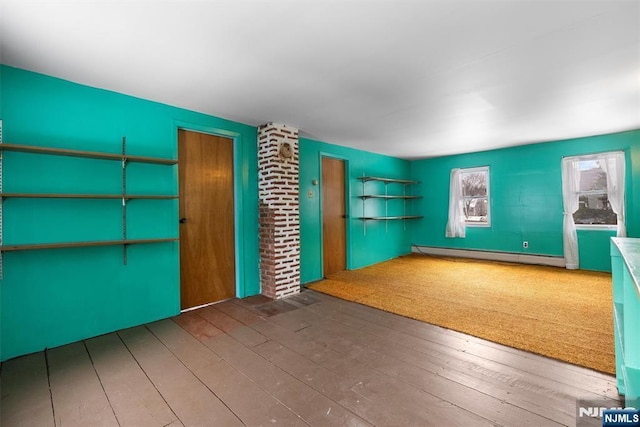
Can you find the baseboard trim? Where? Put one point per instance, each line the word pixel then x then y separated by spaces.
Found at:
pixel 491 256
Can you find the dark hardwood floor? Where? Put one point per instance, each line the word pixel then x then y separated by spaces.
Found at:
pixel 308 360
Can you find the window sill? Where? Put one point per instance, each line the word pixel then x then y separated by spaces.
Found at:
pixel 478 225
pixel 596 227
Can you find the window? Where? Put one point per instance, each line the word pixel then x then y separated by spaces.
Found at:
pixel 592 196
pixel 593 199
pixel 475 195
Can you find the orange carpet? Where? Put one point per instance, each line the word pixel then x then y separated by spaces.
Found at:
pixel 563 314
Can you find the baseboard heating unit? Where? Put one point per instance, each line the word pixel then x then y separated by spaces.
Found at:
pixel 555 261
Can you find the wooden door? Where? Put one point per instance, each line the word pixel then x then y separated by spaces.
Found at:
pixel 207 245
pixel 334 214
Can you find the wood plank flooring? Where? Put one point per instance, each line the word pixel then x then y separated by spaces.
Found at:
pixel 308 360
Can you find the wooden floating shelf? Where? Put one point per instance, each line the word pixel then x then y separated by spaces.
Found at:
pixel 11 248
pixel 84 196
pixel 367 218
pixel 86 154
pixel 382 196
pixel 149 196
pixel 386 197
pixel 387 180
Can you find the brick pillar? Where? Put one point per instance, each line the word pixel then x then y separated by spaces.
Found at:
pixel 279 217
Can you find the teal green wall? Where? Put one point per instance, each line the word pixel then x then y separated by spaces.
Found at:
pixel 383 240
pixel 526 198
pixel 52 297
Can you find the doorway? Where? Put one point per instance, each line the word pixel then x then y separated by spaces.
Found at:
pixel 334 216
pixel 207 222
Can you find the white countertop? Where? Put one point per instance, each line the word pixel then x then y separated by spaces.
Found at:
pixel 630 250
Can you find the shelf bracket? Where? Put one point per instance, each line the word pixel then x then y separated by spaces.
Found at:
pixel 364 223
pixel 404 207
pixel 386 206
pixel 124 202
pixel 1 201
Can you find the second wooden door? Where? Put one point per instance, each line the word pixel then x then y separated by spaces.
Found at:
pixel 334 214
pixel 207 241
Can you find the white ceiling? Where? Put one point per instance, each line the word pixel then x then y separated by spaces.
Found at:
pixel 410 79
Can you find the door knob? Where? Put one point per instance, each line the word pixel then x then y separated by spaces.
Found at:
pixel 183 220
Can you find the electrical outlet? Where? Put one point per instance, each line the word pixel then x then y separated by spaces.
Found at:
pixel 525 244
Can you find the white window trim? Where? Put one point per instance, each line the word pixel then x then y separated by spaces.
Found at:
pixel 595 227
pixel 480 169
pixel 604 227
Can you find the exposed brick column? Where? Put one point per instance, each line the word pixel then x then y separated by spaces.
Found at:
pixel 278 177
